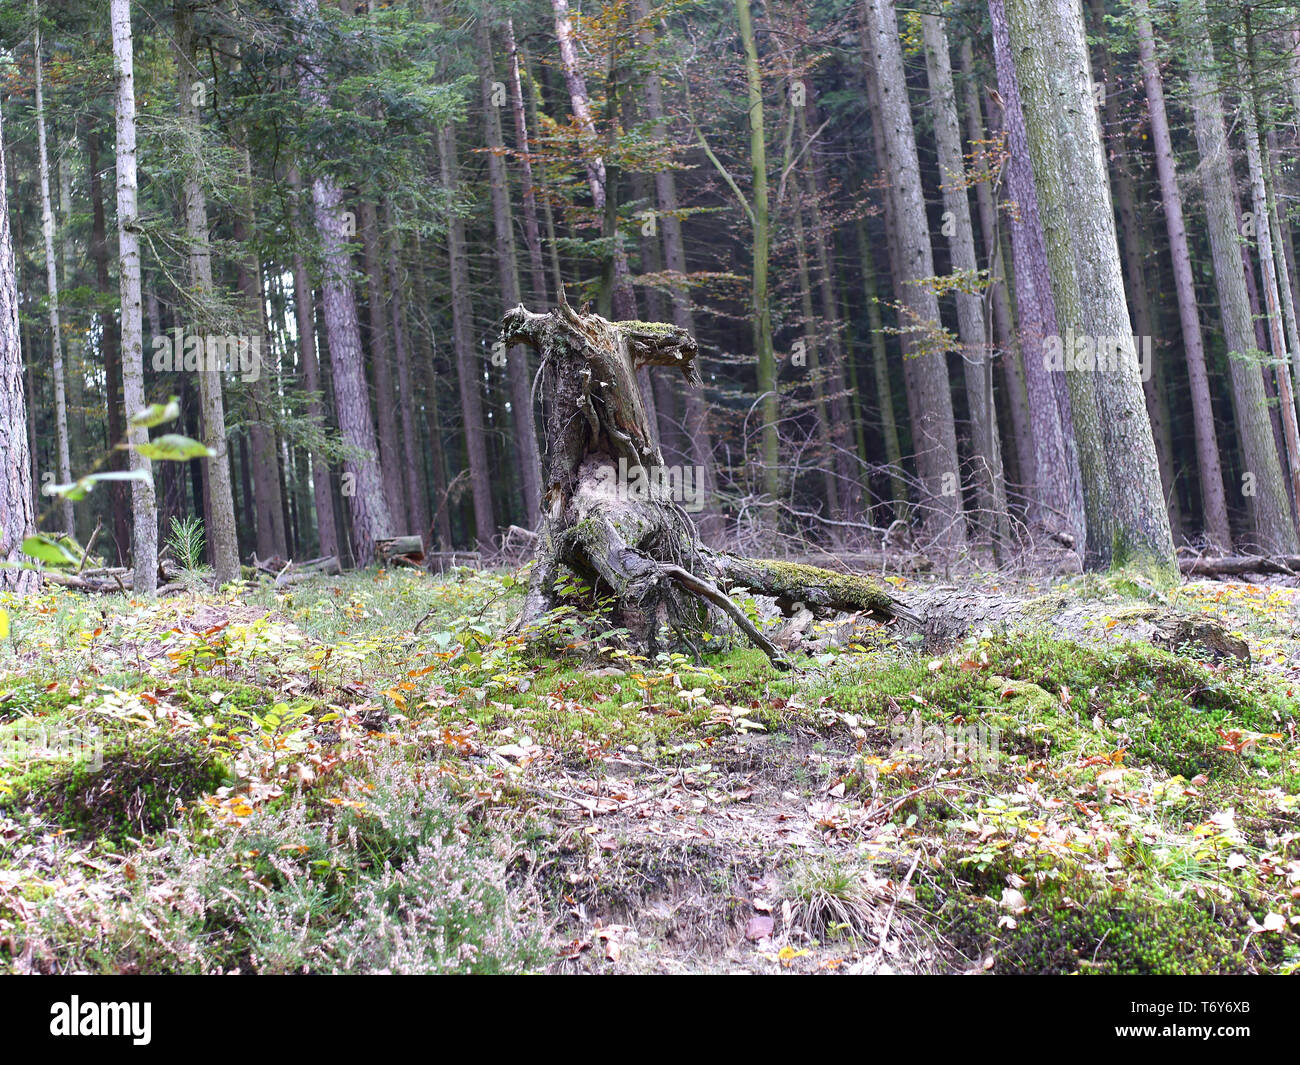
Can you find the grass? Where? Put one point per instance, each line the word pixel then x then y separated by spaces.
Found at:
pixel 318 779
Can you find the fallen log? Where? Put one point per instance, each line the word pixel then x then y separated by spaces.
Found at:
pixel 611 509
pixel 1235 565
pixel 400 551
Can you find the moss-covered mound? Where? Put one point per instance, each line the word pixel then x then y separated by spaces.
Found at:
pixel 139 789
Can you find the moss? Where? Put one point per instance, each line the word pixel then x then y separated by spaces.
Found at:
pixel 1112 934
pixel 35 698
pixel 137 790
pixel 795 580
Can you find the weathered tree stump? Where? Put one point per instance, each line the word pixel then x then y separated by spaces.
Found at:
pixel 609 511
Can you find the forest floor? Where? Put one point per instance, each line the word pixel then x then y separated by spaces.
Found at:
pixel 362 773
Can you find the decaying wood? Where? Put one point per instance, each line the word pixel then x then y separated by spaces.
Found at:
pixel 1235 565
pixel 400 551
pixel 609 511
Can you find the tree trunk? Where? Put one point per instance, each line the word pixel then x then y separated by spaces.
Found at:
pixel 518 373
pixel 363 487
pixel 218 498
pixel 528 197
pixel 1264 484
pixel 610 520
pixel 17 507
pixel 416 497
pixel 1128 521
pixel 925 367
pixel 110 344
pixel 1213 501
pixel 468 373
pixel 304 312
pixel 1056 485
pixel 52 281
pixel 977 370
pixel 144 511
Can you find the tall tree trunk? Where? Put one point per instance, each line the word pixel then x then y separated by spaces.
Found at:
pixel 670 226
pixel 468 372
pixel 440 532
pixel 272 537
pixel 144 511
pixel 363 481
pixel 304 311
pixel 977 369
pixel 624 301
pixel 218 497
pixel 518 373
pixel 416 498
pixel 1213 501
pixel 760 308
pixel 1269 274
pixel 110 344
pixel 17 506
pixel 52 281
pixel 925 367
pixel 1264 484
pixel 1056 494
pixel 528 195
pixel 1117 452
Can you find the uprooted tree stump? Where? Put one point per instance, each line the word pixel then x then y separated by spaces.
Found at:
pixel 608 507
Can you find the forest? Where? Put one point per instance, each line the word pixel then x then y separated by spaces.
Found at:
pixel 649 486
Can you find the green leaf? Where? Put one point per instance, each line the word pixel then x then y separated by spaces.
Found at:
pixel 47 550
pixel 157 413
pixel 81 487
pixel 173 448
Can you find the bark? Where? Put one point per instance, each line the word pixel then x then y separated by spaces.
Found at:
pixel 364 480
pixel 1269 274
pixel 440 531
pixel 144 511
pixel 760 308
pixel 880 373
pixel 218 497
pixel 272 537
pixel 624 302
pixel 1019 457
pixel 468 373
pixel 304 311
pixel 381 364
pixel 1209 469
pixel 977 369
pixel 1128 521
pixel 110 344
pixel 639 545
pixel 17 507
pixel 925 368
pixel 670 226
pixel 528 196
pixel 1274 529
pixel 518 373
pixel 416 498
pixel 52 282
pixel 1056 484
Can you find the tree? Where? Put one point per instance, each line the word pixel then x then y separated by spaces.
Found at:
pixel 934 438
pixel 144 509
pixel 1213 501
pixel 1126 511
pixel 220 532
pixel 363 481
pixel 17 511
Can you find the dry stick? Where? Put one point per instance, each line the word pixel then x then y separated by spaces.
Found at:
pixel 889 917
pixel 699 586
pixel 90 545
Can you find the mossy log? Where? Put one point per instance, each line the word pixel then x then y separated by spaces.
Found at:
pixel 609 506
